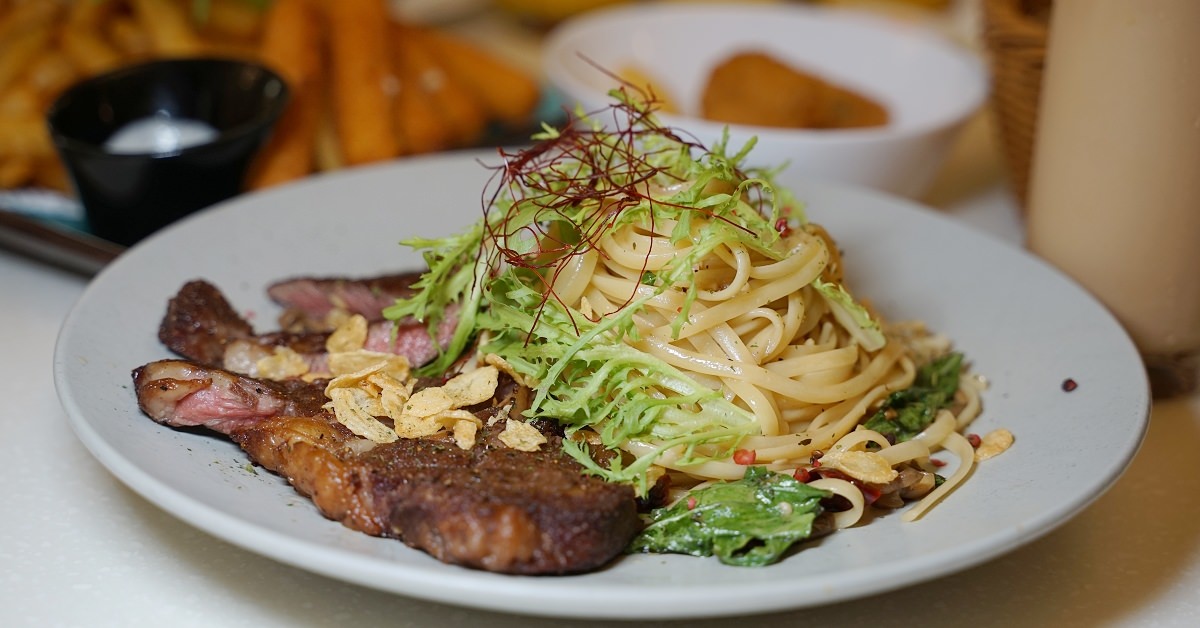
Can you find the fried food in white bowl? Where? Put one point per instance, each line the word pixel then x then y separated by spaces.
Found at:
pixel 926 85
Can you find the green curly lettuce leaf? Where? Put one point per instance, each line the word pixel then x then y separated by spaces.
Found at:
pixel 589 377
pixel 749 522
pixel 448 283
pixel 593 374
pixel 865 330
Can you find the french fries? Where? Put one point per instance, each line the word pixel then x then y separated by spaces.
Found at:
pixel 508 94
pixel 364 86
pixel 363 83
pixel 20 51
pixel 462 114
pixel 420 126
pixel 89 52
pixel 170 30
pixel 232 20
pixel 16 170
pixel 24 136
pixel 25 17
pixel 291 46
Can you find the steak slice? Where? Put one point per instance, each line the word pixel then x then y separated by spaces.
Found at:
pixel 489 507
pixel 186 394
pixel 201 325
pixel 308 301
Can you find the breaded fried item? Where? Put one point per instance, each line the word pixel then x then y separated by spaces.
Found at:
pixel 753 88
pixel 756 89
pixel 845 109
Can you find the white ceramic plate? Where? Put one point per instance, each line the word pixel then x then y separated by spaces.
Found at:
pixel 1022 325
pixel 929 84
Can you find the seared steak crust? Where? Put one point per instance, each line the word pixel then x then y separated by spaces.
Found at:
pixel 489 507
pixel 200 322
pixel 201 325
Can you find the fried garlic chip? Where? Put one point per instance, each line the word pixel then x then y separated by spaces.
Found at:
pixel 502 413
pixel 393 399
pixel 283 363
pixel 865 466
pixel 394 367
pixel 464 434
pixel 993 444
pixel 378 385
pixel 472 387
pixel 585 308
pixel 463 425
pixel 368 385
pixel 351 335
pixel 428 402
pixel 361 360
pixel 411 426
pixel 430 410
pixel 337 316
pixel 503 365
pixel 356 409
pixel 522 436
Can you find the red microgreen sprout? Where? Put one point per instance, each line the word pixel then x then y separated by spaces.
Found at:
pixel 603 171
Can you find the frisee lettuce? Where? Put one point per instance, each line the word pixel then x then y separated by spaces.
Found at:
pixel 865 330
pixel 590 377
pixel 590 374
pixel 448 284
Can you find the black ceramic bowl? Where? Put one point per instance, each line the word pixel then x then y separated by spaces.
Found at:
pixel 128 196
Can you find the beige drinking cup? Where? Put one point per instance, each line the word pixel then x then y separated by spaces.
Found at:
pixel 1115 196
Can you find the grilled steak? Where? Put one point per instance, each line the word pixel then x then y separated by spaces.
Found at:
pixel 489 507
pixel 308 301
pixel 185 394
pixel 201 325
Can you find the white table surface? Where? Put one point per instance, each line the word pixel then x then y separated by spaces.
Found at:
pixel 77 548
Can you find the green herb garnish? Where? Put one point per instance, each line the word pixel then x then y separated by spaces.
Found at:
pixel 749 523
pixel 906 413
pixel 550 206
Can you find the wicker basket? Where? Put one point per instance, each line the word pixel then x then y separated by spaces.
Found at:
pixel 1015 35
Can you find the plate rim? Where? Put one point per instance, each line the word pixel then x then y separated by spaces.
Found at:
pixel 376 572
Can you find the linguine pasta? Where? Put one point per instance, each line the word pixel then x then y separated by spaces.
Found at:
pixel 666 303
pixel 763 335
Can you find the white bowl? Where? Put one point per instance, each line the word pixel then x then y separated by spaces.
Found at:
pixel 929 85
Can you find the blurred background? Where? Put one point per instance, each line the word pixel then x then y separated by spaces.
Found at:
pixel 379 79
